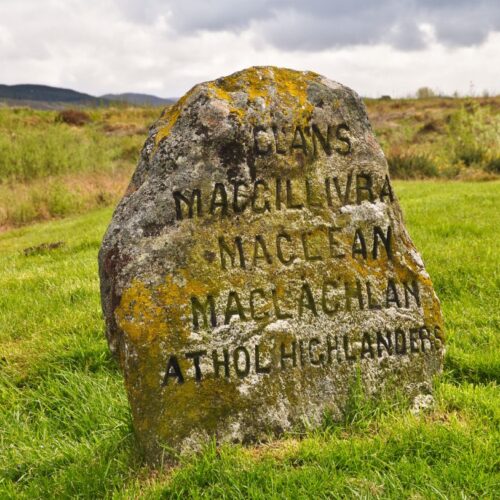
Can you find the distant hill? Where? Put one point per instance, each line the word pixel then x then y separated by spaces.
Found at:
pixel 46 97
pixel 46 94
pixel 139 99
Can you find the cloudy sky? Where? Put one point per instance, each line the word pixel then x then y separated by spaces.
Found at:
pixel 164 47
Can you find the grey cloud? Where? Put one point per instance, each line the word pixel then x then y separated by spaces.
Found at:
pixel 321 24
pixel 463 24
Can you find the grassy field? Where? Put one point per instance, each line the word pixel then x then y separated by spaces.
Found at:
pixel 51 168
pixel 65 428
pixel 439 137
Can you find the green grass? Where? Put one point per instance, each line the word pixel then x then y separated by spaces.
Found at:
pixel 65 428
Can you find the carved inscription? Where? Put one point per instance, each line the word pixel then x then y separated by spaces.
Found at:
pixel 262 196
pixel 316 243
pixel 283 247
pixel 317 352
pixel 332 297
pixel 309 139
pixel 286 247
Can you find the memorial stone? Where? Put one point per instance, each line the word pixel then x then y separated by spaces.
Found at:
pixel 258 265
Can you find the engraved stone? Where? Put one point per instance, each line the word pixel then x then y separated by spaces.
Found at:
pixel 258 264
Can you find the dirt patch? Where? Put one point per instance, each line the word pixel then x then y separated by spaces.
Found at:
pixel 44 247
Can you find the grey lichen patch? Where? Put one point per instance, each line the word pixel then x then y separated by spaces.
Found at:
pixel 259 262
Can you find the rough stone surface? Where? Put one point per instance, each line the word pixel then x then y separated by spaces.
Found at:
pixel 258 263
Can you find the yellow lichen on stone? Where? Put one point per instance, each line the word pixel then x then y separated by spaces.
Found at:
pixel 263 82
pixel 176 299
pixel 169 119
pixel 223 95
pixel 138 315
pixel 257 82
pixel 293 84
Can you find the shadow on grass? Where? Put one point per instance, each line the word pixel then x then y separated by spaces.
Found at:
pixel 460 369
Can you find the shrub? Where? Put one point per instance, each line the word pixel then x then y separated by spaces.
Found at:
pixel 469 154
pixel 493 166
pixel 412 167
pixel 432 126
pixel 73 117
pixel 473 136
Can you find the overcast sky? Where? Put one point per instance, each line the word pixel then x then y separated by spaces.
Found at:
pixel 164 47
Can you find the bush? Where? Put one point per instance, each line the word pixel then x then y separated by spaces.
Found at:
pixel 412 167
pixel 73 117
pixel 469 154
pixel 473 136
pixel 432 126
pixel 493 166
